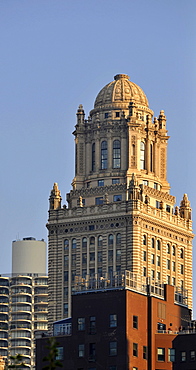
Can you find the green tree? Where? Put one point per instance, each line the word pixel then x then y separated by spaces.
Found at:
pixel 52 355
pixel 16 362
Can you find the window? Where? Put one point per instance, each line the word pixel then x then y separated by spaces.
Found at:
pixel 104 155
pixel 192 355
pixel 65 309
pixel 158 276
pixel 135 349
pixel 73 275
pixel 158 261
pixel 155 185
pixel 145 352
pixel 99 271
pixel 173 266
pixel 151 157
pixel 92 326
pixel 158 204
pixel 118 239
pixel 171 354
pixel 158 245
pixel 135 368
pixel 117 114
pixel 88 184
pixel 144 255
pixel 152 258
pixel 113 348
pixel 66 244
pixel 73 260
pixel 183 356
pixel 115 181
pixel 113 321
pixel 181 253
pixel 81 323
pixel 145 182
pixel 74 243
pixel 116 154
pixel 92 256
pixel 160 354
pixel 168 279
pixel 181 269
pixel 135 322
pixel 98 201
pixel 117 198
pixel 168 248
pixel 168 208
pixel 100 241
pixel 152 274
pixel 173 281
pixel 84 242
pixel 84 273
pixel 91 227
pixel 92 352
pixel 84 258
pixel 142 155
pixel 110 255
pixel 110 239
pixel 65 292
pixel 110 271
pixel 66 261
pixel 81 350
pixel 65 276
pixel 144 271
pixel 99 256
pixel 152 243
pixel 100 183
pixel 93 157
pixel 92 273
pixel 118 255
pixel 144 239
pixel 106 115
pixel 59 355
pixel 173 250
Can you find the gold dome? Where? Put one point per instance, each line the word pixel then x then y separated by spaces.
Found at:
pixel 119 91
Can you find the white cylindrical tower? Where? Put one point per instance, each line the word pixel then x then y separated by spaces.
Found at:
pixel 29 256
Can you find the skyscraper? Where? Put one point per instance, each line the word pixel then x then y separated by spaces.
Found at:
pixel 120 213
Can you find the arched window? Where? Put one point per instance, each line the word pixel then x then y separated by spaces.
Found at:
pixel 144 239
pixel 104 155
pixel 100 241
pixel 181 253
pixel 116 154
pixel 92 240
pixel 142 155
pixel 84 242
pixel 93 157
pixel 152 243
pixel 74 243
pixel 173 250
pixel 158 245
pixel 66 244
pixel 118 239
pixel 168 248
pixel 110 239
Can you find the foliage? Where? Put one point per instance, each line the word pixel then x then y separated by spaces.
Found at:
pixel 52 355
pixel 16 362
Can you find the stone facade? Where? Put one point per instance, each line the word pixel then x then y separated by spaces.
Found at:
pixel 120 214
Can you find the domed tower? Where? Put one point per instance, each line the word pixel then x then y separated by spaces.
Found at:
pixel 120 214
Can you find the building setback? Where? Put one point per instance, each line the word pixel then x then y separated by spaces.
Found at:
pixel 120 213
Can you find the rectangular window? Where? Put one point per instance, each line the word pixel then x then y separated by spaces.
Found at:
pixel 173 281
pixel 81 350
pixel 182 269
pixel 135 349
pixel 152 274
pixel 73 260
pixel 173 266
pixel 158 276
pixel 65 292
pixel 192 355
pixel 115 181
pixel 118 255
pixel 157 204
pixel 65 309
pixel 145 352
pixel 59 355
pixel 144 255
pixel 168 279
pixel 92 352
pixel 84 258
pixel 98 201
pixel 110 255
pixel 171 354
pixel 160 354
pixel 92 326
pixel 100 182
pixel 117 198
pixel 168 208
pixel 113 321
pixel 144 271
pixel 113 348
pixel 92 272
pixel 135 322
pixel 99 256
pixel 66 261
pixel 168 264
pixel 92 256
pixel 106 115
pixel 117 114
pixel 158 261
pixel 91 227
pixel 152 258
pixel 99 271
pixel 84 273
pixel 65 276
pixel 145 182
pixel 81 323
pixel 183 356
pixel 155 185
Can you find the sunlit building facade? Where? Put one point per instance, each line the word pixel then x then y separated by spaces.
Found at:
pixel 120 214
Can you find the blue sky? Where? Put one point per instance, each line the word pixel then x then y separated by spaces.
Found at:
pixel 57 54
